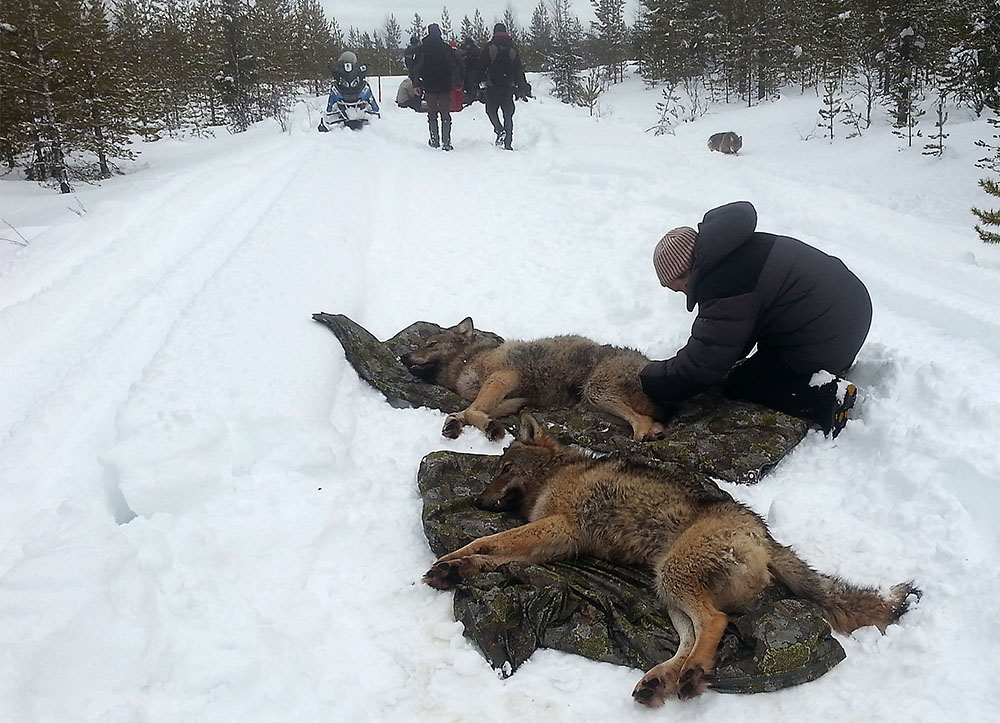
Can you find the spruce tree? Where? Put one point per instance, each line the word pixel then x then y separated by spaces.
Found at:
pixel 610 31
pixel 312 40
pixel 990 185
pixel 538 44
pixel 447 32
pixel 564 61
pixel 102 90
pixel 417 27
pixel 988 217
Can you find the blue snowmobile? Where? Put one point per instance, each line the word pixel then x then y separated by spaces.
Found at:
pixel 351 101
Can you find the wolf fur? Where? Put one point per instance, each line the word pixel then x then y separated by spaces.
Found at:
pixel 501 378
pixel 710 554
pixel 725 142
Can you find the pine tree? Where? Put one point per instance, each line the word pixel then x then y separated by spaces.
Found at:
pixel 467 30
pixel 106 129
pixel 591 89
pixel 312 40
pixel 133 34
pixel 417 27
pixel 447 32
pixel 479 32
pixel 833 105
pixel 988 218
pixel 538 44
pixel 936 146
pixel 610 32
pixel 564 61
pixel 393 52
pixel 670 109
pixel 237 76
pixel 41 50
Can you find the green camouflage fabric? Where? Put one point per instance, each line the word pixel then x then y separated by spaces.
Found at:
pixel 600 610
pixel 726 439
pixel 588 606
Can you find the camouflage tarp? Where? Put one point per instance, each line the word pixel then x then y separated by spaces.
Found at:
pixel 587 606
pixel 599 610
pixel 725 439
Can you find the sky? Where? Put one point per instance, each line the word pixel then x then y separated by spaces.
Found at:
pixel 207 516
pixel 371 14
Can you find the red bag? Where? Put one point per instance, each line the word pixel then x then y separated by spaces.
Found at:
pixel 456 100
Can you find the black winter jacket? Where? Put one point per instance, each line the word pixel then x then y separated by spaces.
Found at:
pixel 783 295
pixel 437 68
pixel 503 43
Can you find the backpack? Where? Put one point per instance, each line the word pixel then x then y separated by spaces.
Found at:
pixel 502 66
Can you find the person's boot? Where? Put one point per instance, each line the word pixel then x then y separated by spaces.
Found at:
pixel 500 137
pixel 446 135
pixel 834 406
pixel 432 124
pixel 508 139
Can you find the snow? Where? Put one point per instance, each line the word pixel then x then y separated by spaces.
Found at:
pixel 207 515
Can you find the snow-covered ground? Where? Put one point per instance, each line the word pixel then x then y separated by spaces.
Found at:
pixel 207 516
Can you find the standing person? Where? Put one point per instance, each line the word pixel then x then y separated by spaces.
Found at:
pixel 411 53
pixel 504 75
pixel 437 72
pixel 473 58
pixel 807 314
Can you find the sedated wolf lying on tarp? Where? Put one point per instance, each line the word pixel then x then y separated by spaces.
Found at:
pixel 501 378
pixel 710 556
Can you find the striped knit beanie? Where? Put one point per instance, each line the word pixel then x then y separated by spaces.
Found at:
pixel 674 254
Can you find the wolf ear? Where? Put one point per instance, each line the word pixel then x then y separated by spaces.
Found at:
pixel 531 432
pixel 465 327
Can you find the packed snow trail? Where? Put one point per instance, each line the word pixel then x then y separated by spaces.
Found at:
pixel 208 516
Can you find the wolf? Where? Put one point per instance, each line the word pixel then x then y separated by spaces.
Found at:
pixel 501 378
pixel 725 142
pixel 710 554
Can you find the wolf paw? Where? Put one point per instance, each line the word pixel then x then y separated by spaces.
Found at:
pixel 443 575
pixel 651 691
pixel 495 431
pixel 655 432
pixel 452 427
pixel 692 683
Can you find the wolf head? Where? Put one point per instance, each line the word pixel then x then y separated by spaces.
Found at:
pixel 439 351
pixel 523 469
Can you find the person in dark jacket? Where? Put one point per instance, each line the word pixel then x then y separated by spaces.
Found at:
pixel 436 72
pixel 805 311
pixel 473 63
pixel 411 53
pixel 503 74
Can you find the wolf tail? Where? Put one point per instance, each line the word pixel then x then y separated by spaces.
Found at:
pixel 846 607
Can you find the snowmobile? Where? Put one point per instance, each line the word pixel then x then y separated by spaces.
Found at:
pixel 351 101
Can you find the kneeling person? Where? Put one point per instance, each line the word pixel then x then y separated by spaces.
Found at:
pixel 805 311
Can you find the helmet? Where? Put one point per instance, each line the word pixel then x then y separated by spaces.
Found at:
pixel 347 57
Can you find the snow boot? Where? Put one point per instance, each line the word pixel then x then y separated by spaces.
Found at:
pixel 501 136
pixel 446 135
pixel 435 139
pixel 835 409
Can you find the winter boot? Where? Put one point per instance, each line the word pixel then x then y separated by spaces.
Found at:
pixel 501 135
pixel 835 405
pixel 432 123
pixel 507 141
pixel 446 135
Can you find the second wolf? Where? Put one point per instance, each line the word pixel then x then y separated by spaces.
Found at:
pixel 501 378
pixel 710 554
pixel 725 142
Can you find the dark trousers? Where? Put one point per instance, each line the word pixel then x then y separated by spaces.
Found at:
pixel 765 379
pixel 501 100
